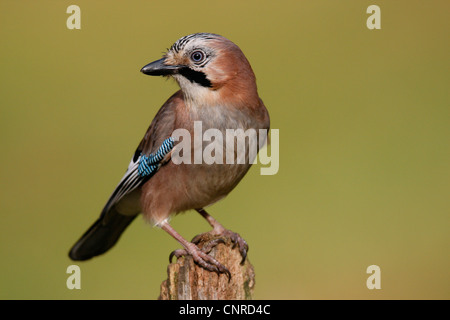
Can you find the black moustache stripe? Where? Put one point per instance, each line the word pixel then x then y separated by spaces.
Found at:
pixel 195 76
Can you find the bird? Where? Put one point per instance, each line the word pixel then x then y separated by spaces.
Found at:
pixel 218 89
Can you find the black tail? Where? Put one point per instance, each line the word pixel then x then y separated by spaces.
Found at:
pixel 101 236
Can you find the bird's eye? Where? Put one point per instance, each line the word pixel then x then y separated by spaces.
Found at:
pixel 197 56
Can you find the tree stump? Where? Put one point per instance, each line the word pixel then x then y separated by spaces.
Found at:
pixel 188 281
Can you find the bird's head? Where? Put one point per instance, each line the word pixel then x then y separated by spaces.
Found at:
pixel 208 67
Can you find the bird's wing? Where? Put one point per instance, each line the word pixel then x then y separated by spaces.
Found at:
pixel 148 157
pixel 124 204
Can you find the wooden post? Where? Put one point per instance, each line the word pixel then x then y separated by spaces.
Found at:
pixel 188 281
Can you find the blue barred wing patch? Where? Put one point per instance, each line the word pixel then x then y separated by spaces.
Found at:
pixel 149 164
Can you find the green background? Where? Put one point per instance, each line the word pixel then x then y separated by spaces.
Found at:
pixel 364 122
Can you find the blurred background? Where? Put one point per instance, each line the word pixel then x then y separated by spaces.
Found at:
pixel 364 123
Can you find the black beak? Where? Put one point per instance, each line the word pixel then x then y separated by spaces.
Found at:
pixel 158 68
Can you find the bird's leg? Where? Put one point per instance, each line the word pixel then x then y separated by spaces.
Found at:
pixel 219 230
pixel 200 257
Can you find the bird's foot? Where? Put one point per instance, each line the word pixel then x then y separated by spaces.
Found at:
pixel 202 258
pixel 235 238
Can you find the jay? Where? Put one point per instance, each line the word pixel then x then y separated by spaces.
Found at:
pixel 218 88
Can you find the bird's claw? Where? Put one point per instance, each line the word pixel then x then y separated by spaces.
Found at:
pixel 238 241
pixel 202 258
pixel 177 253
pixel 235 238
pixel 209 245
